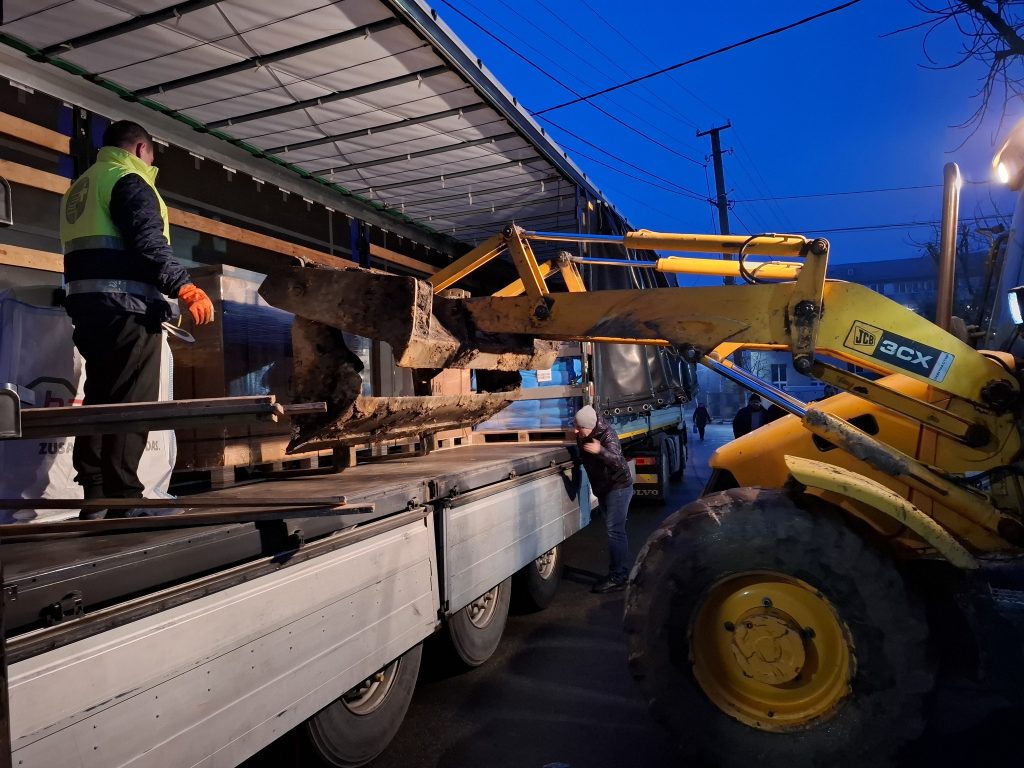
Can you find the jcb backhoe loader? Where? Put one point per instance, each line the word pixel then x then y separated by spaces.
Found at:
pixel 777 618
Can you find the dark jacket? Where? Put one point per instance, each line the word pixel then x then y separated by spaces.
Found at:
pixel 742 424
pixel 608 470
pixel 701 417
pixel 147 257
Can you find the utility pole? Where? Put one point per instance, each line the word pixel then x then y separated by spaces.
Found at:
pixel 722 201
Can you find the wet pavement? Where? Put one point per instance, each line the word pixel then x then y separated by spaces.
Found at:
pixel 558 694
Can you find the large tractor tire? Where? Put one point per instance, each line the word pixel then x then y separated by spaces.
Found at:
pixel 764 633
pixel 356 728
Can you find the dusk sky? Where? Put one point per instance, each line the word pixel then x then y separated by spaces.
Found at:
pixel 834 106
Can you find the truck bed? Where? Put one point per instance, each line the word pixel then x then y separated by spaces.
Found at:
pixel 49 579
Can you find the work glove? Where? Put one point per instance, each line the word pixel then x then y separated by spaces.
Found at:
pixel 198 303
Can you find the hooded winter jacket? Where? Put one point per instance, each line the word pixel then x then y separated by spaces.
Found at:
pixel 607 470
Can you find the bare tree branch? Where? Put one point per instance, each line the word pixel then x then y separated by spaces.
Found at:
pixel 991 33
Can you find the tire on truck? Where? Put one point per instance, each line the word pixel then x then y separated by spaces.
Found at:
pixel 679 445
pixel 475 631
pixel 664 467
pixel 535 584
pixel 355 728
pixel 788 637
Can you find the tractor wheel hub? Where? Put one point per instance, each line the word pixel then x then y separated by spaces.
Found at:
pixel 768 648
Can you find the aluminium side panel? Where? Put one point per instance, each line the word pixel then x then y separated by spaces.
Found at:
pixel 488 539
pixel 211 682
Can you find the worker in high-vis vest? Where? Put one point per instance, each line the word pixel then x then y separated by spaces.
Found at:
pixel 120 276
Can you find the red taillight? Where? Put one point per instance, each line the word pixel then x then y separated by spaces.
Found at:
pixel 646 461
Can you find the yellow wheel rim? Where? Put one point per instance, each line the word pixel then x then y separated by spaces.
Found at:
pixel 771 651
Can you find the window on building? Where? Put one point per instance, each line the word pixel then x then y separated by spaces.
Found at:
pixel 779 371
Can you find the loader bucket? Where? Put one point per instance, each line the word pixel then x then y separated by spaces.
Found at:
pixel 377 419
pixel 424 330
pixel 327 370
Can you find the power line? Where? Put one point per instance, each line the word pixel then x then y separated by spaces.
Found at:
pixel 742 223
pixel 762 187
pixel 685 190
pixel 568 88
pixel 537 52
pixel 849 192
pixel 695 59
pixel 902 225
pixel 658 103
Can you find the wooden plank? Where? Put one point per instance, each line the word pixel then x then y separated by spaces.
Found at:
pixel 16 256
pixel 33 177
pixel 540 435
pixel 385 254
pixel 198 223
pixel 553 392
pixel 34 134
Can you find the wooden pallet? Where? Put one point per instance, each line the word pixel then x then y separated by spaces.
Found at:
pixel 489 437
pixel 236 460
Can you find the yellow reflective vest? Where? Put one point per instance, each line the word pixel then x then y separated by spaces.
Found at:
pixel 85 221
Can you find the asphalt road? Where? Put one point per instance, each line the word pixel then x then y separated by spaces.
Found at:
pixel 557 693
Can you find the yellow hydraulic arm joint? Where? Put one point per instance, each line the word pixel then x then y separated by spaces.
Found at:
pixel 525 261
pixel 517 288
pixel 563 265
pixel 571 275
pixel 458 269
pixel 805 306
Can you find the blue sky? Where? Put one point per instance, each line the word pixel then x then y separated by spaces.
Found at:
pixel 832 106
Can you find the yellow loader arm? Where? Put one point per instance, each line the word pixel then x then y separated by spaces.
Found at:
pixel 811 316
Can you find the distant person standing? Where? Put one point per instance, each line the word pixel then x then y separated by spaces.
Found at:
pixel 750 417
pixel 701 419
pixel 601 454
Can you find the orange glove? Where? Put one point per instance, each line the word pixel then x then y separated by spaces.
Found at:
pixel 198 303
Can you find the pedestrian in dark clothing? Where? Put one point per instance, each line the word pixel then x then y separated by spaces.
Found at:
pixel 119 274
pixel 608 470
pixel 701 419
pixel 750 417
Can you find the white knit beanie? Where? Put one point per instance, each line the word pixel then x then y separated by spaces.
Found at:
pixel 586 417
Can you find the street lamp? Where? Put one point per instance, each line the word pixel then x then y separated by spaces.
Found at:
pixel 1008 162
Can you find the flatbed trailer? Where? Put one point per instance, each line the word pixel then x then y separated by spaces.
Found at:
pixel 199 647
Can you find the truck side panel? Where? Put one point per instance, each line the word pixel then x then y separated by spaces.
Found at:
pixel 223 676
pixel 489 539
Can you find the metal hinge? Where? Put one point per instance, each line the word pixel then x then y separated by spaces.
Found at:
pixel 68 607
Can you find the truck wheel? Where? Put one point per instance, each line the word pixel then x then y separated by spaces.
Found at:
pixel 534 585
pixel 679 446
pixel 354 729
pixel 789 638
pixel 475 631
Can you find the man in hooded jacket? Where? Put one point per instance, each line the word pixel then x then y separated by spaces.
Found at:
pixel 608 470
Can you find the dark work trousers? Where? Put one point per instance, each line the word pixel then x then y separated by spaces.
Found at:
pixel 615 505
pixel 122 365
